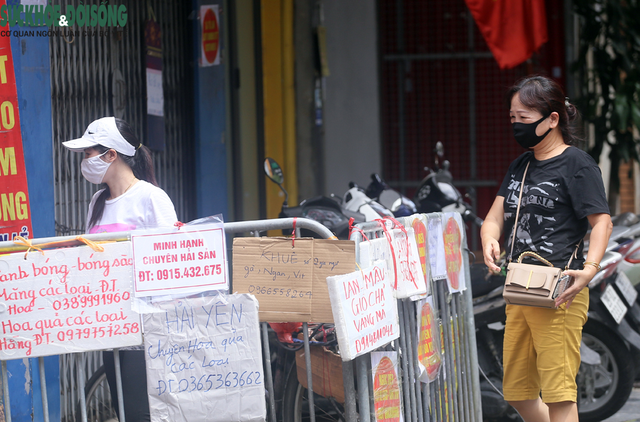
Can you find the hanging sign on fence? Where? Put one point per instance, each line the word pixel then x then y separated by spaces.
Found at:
pixel 454 241
pixel 419 225
pixel 190 259
pixel 429 356
pixel 410 280
pixel 67 300
pixel 288 277
pixel 204 360
pixel 436 247
pixel 386 387
pixel 364 310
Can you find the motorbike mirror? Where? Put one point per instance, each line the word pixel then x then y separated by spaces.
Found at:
pixel 273 171
pixel 440 149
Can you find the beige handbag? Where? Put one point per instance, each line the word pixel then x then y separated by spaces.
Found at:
pixel 533 285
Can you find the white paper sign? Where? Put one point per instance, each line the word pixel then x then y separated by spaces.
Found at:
pixel 204 360
pixel 374 250
pixel 454 243
pixel 69 300
pixel 408 269
pixel 155 96
pixel 364 310
pixel 387 397
pixel 436 247
pixel 191 259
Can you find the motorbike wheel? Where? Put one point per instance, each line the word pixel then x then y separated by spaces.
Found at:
pixel 295 403
pixel 603 389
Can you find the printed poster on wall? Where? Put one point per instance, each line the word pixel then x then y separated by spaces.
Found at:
pixel 209 35
pixel 454 243
pixel 15 215
pixel 204 360
pixel 386 387
pixel 429 358
pixel 436 247
pixel 66 301
pixel 364 310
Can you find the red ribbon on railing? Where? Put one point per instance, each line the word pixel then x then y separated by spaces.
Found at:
pixel 293 233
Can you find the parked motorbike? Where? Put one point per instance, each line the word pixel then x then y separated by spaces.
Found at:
pixel 326 211
pixel 436 192
pixel 391 199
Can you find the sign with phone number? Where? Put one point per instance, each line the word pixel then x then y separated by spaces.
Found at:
pixel 189 259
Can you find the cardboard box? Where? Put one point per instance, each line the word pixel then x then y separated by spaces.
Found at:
pixel 289 279
pixel 326 369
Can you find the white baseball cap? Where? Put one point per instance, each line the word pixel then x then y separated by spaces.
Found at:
pixel 102 132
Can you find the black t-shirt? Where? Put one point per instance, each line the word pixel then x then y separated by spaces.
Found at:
pixel 559 194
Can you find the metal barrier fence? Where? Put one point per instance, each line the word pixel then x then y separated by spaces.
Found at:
pixel 454 396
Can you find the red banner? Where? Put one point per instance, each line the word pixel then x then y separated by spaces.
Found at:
pixel 15 215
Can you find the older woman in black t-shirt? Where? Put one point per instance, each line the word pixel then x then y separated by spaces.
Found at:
pixel 563 194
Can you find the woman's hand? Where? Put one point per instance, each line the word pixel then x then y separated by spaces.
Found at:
pixel 580 280
pixel 490 233
pixel 491 253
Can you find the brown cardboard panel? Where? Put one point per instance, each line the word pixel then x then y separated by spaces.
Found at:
pixel 289 278
pixel 326 370
pixel 330 257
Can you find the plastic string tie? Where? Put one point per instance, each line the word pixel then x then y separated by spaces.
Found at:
pixel 93 245
pixel 353 228
pixel 179 224
pixel 293 232
pixel 19 240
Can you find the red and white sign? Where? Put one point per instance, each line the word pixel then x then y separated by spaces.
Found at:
pixel 67 300
pixel 365 310
pixel 210 35
pixel 15 213
pixel 191 259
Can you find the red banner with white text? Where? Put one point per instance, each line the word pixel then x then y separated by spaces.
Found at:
pixel 15 213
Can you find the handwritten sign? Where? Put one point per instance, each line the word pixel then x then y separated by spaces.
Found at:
pixel 289 278
pixel 429 357
pixel 186 260
pixel 454 241
pixel 436 247
pixel 364 310
pixel 204 360
pixel 408 269
pixel 69 300
pixel 386 387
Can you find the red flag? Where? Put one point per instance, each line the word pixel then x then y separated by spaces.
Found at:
pixel 513 29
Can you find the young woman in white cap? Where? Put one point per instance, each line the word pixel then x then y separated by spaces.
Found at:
pixel 131 200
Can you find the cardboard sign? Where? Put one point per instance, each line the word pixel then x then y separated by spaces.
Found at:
pixel 436 247
pixel 364 310
pixel 69 300
pixel 454 241
pixel 289 277
pixel 191 259
pixel 386 387
pixel 204 360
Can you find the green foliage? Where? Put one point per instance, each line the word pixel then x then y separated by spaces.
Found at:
pixel 610 89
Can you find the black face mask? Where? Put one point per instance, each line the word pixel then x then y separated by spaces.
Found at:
pixel 525 133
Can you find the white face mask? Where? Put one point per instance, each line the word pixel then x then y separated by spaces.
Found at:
pixel 93 169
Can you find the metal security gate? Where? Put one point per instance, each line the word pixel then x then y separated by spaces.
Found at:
pixel 93 76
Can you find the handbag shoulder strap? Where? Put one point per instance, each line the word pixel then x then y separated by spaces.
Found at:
pixel 515 223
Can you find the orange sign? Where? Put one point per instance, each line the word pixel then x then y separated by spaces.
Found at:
pixel 386 394
pixel 15 215
pixel 420 231
pixel 452 252
pixel 427 353
pixel 210 35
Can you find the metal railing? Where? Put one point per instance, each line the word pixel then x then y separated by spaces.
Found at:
pixel 454 395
